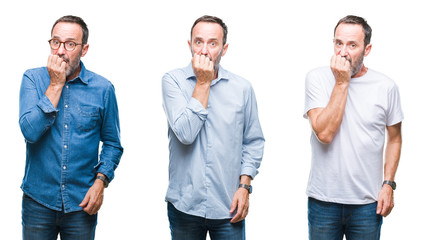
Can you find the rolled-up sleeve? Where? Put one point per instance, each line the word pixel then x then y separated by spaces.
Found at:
pixel 253 139
pixel 36 113
pixel 185 114
pixel 112 149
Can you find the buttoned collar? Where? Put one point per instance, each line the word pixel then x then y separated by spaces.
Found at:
pixel 83 75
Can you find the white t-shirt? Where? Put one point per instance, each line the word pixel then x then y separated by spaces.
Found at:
pixel 350 169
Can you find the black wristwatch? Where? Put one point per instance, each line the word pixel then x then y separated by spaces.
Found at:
pixel 393 184
pixel 104 179
pixel 248 187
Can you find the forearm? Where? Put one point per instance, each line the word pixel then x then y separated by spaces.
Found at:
pixel 245 179
pixel 201 93
pixel 326 122
pixel 392 157
pixel 392 151
pixel 53 93
pixel 185 116
pixel 36 115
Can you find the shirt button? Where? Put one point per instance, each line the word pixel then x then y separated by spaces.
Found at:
pixel 67 86
pixel 64 167
pixel 63 186
pixel 66 106
pixel 66 146
pixel 66 126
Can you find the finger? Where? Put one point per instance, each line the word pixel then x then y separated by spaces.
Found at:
pixel 233 205
pixel 59 61
pixel 50 59
pixel 84 201
pixel 63 66
pixel 379 207
pixel 88 209
pixel 237 217
pixel 333 61
pixel 211 65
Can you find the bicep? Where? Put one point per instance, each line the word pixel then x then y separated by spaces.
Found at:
pixel 394 133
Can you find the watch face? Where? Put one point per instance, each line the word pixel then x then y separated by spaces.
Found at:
pixel 394 185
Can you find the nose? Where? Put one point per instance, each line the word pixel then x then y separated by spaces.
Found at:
pixel 343 52
pixel 204 50
pixel 61 50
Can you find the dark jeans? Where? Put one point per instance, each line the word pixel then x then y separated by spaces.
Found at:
pixel 188 227
pixel 42 223
pixel 330 221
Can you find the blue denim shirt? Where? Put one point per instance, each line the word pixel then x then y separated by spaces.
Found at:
pixel 62 144
pixel 210 148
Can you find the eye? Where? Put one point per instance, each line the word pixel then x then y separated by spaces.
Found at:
pixel 213 44
pixel 198 42
pixel 70 44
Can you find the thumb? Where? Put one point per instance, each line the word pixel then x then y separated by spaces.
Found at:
pixel 233 205
pixel 379 206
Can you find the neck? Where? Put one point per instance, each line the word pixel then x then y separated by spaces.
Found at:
pixel 74 74
pixel 363 70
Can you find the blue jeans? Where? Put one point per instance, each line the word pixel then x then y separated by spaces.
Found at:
pixel 330 221
pixel 188 227
pixel 42 223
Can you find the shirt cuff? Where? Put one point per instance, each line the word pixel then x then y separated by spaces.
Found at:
pixel 46 106
pixel 196 107
pixel 249 171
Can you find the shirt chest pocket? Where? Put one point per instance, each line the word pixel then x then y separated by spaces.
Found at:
pixel 87 118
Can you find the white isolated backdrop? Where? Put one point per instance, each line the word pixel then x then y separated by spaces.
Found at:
pixel 271 43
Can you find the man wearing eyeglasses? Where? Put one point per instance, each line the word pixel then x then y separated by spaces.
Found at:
pixel 65 111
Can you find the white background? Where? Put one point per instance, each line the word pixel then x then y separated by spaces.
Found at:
pixel 271 43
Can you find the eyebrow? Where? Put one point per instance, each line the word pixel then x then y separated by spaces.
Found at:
pixel 339 40
pixel 211 39
pixel 66 39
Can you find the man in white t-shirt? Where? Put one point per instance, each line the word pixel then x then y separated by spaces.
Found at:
pixel 349 107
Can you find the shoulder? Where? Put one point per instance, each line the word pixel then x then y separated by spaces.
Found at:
pixel 36 72
pixel 382 80
pixel 237 80
pixel 180 73
pixel 320 77
pixel 320 72
pixel 97 80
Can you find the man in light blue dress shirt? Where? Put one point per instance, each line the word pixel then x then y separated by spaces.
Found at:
pixel 215 140
pixel 65 111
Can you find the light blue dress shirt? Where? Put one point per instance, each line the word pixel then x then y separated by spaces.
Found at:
pixel 209 149
pixel 62 144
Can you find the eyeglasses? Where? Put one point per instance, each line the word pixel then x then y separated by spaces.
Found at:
pixel 69 45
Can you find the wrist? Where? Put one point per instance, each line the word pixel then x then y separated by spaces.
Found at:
pixel 103 178
pixel 392 184
pixel 249 188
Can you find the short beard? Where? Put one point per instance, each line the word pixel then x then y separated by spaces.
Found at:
pixel 358 64
pixel 73 68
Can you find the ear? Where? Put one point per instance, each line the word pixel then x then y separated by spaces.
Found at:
pixel 85 49
pixel 189 44
pixel 367 49
pixel 225 48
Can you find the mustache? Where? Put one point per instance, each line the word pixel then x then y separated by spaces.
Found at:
pixel 64 58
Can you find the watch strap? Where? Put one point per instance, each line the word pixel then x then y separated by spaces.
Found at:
pixel 104 179
pixel 393 184
pixel 248 187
